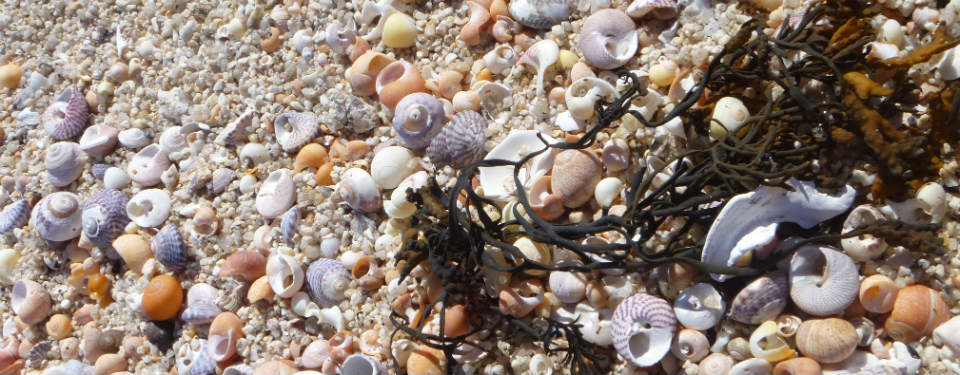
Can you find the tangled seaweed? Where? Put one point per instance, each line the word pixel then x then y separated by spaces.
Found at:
pixel 825 116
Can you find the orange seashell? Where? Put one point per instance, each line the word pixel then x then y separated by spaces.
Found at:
pixel 360 46
pixel 162 298
pixel 98 286
pixel 877 294
pixel 271 43
pixel 58 326
pixel 456 321
pixel 225 330
pixel 260 290
pixel 411 305
pixel 312 155
pixel 355 150
pixel 246 264
pixel 425 361
pixel 542 200
pixel 448 83
pixel 473 30
pixel 916 312
pixel 797 366
pixel 397 80
pixel 364 71
pixel 485 75
pixel 323 177
pixel 498 8
pixel 367 273
pixel 276 366
pixel 466 101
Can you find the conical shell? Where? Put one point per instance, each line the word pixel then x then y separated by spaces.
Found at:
pixel 460 143
pixel 643 327
pixel 104 217
pixel 14 215
pixel 65 162
pixel 327 280
pixel 57 217
pixel 66 116
pixel 169 248
pixel 295 129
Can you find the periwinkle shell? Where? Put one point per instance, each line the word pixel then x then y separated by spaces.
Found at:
pixel 417 119
pixel 57 216
pixel 327 279
pixel 14 215
pixel 105 217
pixel 169 248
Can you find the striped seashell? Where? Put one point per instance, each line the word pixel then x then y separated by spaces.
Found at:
pixel 295 129
pixel 193 359
pixel 288 224
pixel 539 14
pixel 646 315
pixel 200 312
pixel 460 143
pixel 105 217
pixel 761 300
pixel 221 179
pixel 823 281
pixel 99 170
pixel 236 130
pixel 14 215
pixel 327 280
pixel 417 119
pixel 169 248
pixel 65 162
pixel 67 115
pixel 57 216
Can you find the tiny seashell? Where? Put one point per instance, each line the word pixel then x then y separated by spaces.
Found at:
pixel 932 199
pixel 616 155
pixel 14 215
pixel 397 80
pixel 225 330
pixel 866 331
pixel 949 65
pixel 472 31
pixel 65 162
pixel 364 71
pixel 575 176
pixel 133 138
pixel 361 364
pixel 295 129
pixel 200 312
pixel 148 165
pixel 917 311
pixel 500 59
pixel 661 9
pixel 193 359
pixel 466 101
pixel 729 114
pixel 767 345
pixel 202 292
pixel 829 340
pixel 175 138
pixel 339 37
pixel 569 287
pixel 66 117
pixel 539 14
pixel 327 280
pixel 752 366
pixel 98 140
pixel 222 177
pixel 284 274
pixel 800 365
pixel 787 325
pixel 521 297
pixel 699 307
pixel 105 217
pixel 254 153
pixel 418 118
pixel 715 364
pixel 582 96
pixel 494 97
pixel 608 39
pixel 647 316
pixel 690 345
pixel 249 265
pixel 99 170
pixel 391 165
pixel 236 130
pixel 878 294
pixel 446 84
pixel 460 143
pixel 260 290
pixel 497 182
pixel 540 56
pixel 276 194
pixel 133 249
pixel 288 224
pixel 761 300
pixel 204 221
pixel 865 246
pixel 115 178
pixel 169 248
pixel 30 301
pixel 359 190
pixel 149 208
pixel 57 217
pixel 315 354
pixel 542 200
pixel 823 281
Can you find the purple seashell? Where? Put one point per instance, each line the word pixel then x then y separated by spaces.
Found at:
pixel 761 300
pixel 608 39
pixel 14 215
pixel 419 117
pixel 327 280
pixel 66 117
pixel 99 170
pixel 105 217
pixel 200 312
pixel 295 129
pixel 221 179
pixel 643 326
pixel 288 224
pixel 169 248
pixel 460 143
pixel 65 162
pixel 57 217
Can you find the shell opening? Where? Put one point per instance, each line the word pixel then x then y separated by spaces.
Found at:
pixel 91 220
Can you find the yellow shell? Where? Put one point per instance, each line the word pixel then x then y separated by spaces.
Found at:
pixel 260 290
pixel 534 251
pixel 829 340
pixel 10 75
pixel 399 31
pixel 566 59
pixel 877 294
pixel 58 326
pixel 8 263
pixel 767 345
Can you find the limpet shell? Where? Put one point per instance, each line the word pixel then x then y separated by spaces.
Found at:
pixel 295 129
pixel 104 217
pixel 277 194
pixel 643 327
pixel 284 274
pixel 327 280
pixel 149 208
pixel 608 39
pixel 58 216
pixel 169 248
pixel 66 117
pixel 65 162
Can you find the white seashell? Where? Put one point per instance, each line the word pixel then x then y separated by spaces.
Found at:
pixel 295 129
pixel 148 165
pixel 582 96
pixel 662 9
pixel 391 165
pixel 946 334
pixel 172 139
pixel 98 140
pixel 65 162
pixel 643 329
pixel 285 275
pixel 729 114
pixel 607 190
pixel 892 32
pixel 715 364
pixel 202 292
pixel 608 39
pixel 597 327
pixel 748 221
pixel 569 287
pixel 340 37
pixel 494 97
pixel 58 216
pixel 497 182
pixel 277 194
pixel 302 40
pixel 236 130
pixel 115 178
pixel 500 59
pixel 933 200
pixel 823 281
pixel 539 14
pixel 690 345
pixel 133 138
pixel 398 206
pixel 540 56
pixel 254 153
pixel 699 307
pixel 149 208
pixel 359 190
pixel 566 122
pixel 884 51
pixel 865 246
pixel 949 65
pixel 752 366
pixel 616 155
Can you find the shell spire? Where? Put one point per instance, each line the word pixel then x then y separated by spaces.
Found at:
pixel 66 117
pixel 327 279
pixel 104 217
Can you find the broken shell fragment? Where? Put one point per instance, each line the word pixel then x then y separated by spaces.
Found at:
pixel 98 140
pixel 583 94
pixel 295 129
pixel 146 167
pixel 540 56
pixel 767 345
pixel 865 246
pixel 878 294
pixel 277 194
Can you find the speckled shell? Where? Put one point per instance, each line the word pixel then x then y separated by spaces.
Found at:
pixel 643 314
pixel 14 215
pixel 65 161
pixel 295 129
pixel 460 143
pixel 823 281
pixel 761 300
pixel 57 216
pixel 200 312
pixel 327 279
pixel 419 117
pixel 66 116
pixel 539 14
pixel 169 248
pixel 104 217
pixel 608 39
pixel 288 224
pixel 277 194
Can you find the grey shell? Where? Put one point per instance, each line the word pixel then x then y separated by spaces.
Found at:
pixel 460 143
pixel 105 217
pixel 323 275
pixel 169 248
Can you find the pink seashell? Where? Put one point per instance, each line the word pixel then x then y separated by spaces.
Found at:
pixel 99 140
pixel 67 115
pixel 608 39
pixel 540 56
pixel 575 176
pixel 146 167
pixel 649 317
pixel 277 194
pixel 316 354
pixel 65 162
pixel 236 130
pixel 30 301
pixel 661 9
pixel 521 297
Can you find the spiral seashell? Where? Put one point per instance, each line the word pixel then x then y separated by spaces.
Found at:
pixel 932 199
pixel 149 208
pixel 829 340
pixel 878 294
pixel 397 80
pixel 460 143
pixel 542 200
pixel 761 300
pixel 521 297
pixel 146 167
pixel 327 280
pixel 472 32
pixel 500 59
pixel 360 364
pixel 661 9
pixel 104 217
pixel 98 140
pixel 787 325
pixel 340 37
pixel 65 162
pixel 576 174
pixel 540 56
pixel 616 155
pixel 865 246
pixel 359 190
pixel 237 130
pixel 767 345
pixel 608 39
pixel 225 330
pixel 823 281
pixel 249 265
pixel 699 307
pixel 57 217
pixel 364 71
pixel 399 206
pixel 539 14
pixel 582 96
pixel 168 247
pixel 690 345
pixel 30 301
pixel 569 287
pixel 797 366
pixel 66 116
pixel 14 215
pixel 418 118
pixel 277 194
pixel 284 274
pixel 200 312
pixel 917 311
pixel 295 129
pixel 193 359
pixel 504 28
pixel 177 138
pixel 643 327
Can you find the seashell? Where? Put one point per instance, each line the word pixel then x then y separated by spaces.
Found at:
pixel 254 153
pixel 535 252
pixel 192 359
pixel 456 321
pixel 115 178
pixel 225 330
pixel 460 143
pixel 661 9
pixel 57 217
pixel 99 170
pixel 399 31
pixel 932 200
pixel 866 331
pixel 316 354
pixel 200 312
pixel 715 364
pixel 275 367
pixel 10 75
pixel 946 334
pixel 65 162
pixel 169 249
pixel 359 190
pixel 391 165
pixel 66 117
pixel 446 84
pixel 569 287
pixel 425 360
pixel 174 138
pixel 327 280
pixel 312 155
pixel 162 297
pixel 8 263
pixel 340 37
pixel 583 95
pixel 823 281
pixel 797 366
pixel 149 208
pixel 539 14
pixel 917 311
pixel 521 297
pixel 616 155
pixel 222 177
pixel 542 200
pixel 949 65
pixel 288 224
pixel 500 59
pixel 58 326
pixel 699 307
pixel 260 290
pixel 690 345
pixel 761 300
pixel 748 221
pixel 466 101
pixel 504 28
pixel 110 363
pixel 865 246
pixel 411 305
pixel 878 294
pixel 284 274
pixel 729 114
pixel 146 167
pixel 752 366
pixel 133 249
pixel 341 346
pixel 104 217
pixel 663 73
pixel 363 73
pixel 295 129
pixel 133 138
pixel 473 30
pixel 399 206
pixel 397 80
pixel 643 327
pixel 98 140
pixel 249 265
pixel 417 119
pixel 204 221
pixel 277 194
pixel 361 364
pixel 829 340
pixel 608 39
pixel 787 325
pixel 575 176
pixel 767 345
pixel 14 215
pixel 540 56
pixel 494 97
pixel 237 130
pixel 30 301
